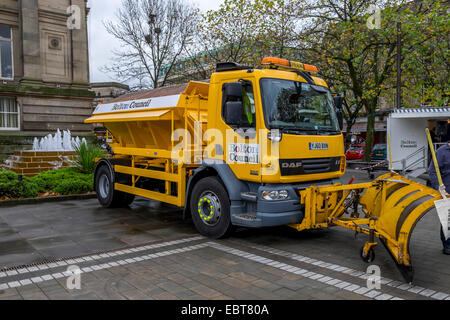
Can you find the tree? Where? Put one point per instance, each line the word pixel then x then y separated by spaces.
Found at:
pixel 242 31
pixel 230 33
pixel 153 34
pixel 355 58
pixel 426 68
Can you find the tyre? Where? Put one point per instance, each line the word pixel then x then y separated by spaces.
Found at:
pixel 106 195
pixel 210 208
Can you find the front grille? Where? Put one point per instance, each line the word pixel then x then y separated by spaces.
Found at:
pixel 293 167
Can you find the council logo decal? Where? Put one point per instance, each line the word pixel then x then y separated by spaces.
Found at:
pixel 131 105
pixel 243 153
pixel 408 143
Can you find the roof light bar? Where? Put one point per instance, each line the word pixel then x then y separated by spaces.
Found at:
pixel 284 63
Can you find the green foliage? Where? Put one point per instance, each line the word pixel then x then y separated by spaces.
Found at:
pixel 7 176
pixel 19 189
pixel 11 187
pixel 245 31
pixel 63 181
pixel 74 186
pixel 85 155
pixel 51 180
pixel 361 62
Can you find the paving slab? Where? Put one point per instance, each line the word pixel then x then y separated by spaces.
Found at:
pixel 135 253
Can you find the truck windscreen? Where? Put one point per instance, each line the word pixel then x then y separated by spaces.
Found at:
pixel 298 106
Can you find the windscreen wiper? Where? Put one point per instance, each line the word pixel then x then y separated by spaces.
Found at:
pixel 298 131
pixel 328 132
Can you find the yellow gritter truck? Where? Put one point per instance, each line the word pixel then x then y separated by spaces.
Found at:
pixel 253 148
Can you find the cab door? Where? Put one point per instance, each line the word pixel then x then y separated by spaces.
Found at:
pixel 240 124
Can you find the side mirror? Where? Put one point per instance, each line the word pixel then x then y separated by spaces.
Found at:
pixel 340 117
pixel 233 91
pixel 339 103
pixel 233 112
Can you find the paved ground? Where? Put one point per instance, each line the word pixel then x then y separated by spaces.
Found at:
pixel 148 252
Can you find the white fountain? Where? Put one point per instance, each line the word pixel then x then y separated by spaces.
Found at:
pixel 57 142
pixel 48 153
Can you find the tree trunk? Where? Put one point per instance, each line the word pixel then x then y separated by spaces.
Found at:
pixel 371 107
pixel 348 134
pixel 369 137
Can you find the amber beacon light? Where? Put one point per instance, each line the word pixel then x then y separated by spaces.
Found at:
pixel 284 63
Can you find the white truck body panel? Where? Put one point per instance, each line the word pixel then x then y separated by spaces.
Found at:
pixel 138 105
pixel 406 129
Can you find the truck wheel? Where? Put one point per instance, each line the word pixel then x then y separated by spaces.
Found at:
pixel 210 208
pixel 106 195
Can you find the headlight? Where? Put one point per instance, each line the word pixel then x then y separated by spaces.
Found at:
pixel 275 195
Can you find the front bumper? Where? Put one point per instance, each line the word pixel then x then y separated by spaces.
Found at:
pixel 265 213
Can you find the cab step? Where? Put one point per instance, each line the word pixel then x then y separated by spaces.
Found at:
pixel 249 196
pixel 246 217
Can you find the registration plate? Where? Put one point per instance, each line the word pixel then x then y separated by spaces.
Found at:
pixel 379 154
pixel 318 146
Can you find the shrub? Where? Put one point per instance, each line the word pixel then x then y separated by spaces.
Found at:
pixel 63 181
pixel 7 176
pixel 50 180
pixel 85 155
pixel 75 186
pixel 11 187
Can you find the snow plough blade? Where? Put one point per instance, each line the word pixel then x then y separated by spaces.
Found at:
pixel 390 207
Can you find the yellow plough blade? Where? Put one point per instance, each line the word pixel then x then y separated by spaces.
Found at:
pixel 391 206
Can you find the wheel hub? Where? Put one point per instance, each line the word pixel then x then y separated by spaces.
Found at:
pixel 209 208
pixel 103 186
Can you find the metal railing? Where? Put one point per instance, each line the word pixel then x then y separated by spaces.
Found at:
pixel 423 159
pixel 437 145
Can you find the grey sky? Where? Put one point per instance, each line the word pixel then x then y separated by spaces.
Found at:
pixel 101 42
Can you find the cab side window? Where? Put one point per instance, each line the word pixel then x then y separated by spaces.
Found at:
pixel 241 91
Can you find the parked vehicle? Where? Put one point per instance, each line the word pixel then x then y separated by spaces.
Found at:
pixel 272 156
pixel 355 152
pixel 379 152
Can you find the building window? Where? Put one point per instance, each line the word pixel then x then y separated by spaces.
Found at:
pixel 9 114
pixel 6 57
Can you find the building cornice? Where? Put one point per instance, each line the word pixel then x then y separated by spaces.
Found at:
pixel 61 16
pixel 27 89
pixel 9 10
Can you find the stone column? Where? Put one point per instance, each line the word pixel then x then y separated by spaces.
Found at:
pixel 31 40
pixel 80 47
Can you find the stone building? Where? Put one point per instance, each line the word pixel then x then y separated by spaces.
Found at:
pixel 44 70
pixel 106 91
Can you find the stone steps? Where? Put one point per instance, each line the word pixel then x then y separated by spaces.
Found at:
pixel 29 172
pixel 27 153
pixel 31 163
pixel 43 164
pixel 41 159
